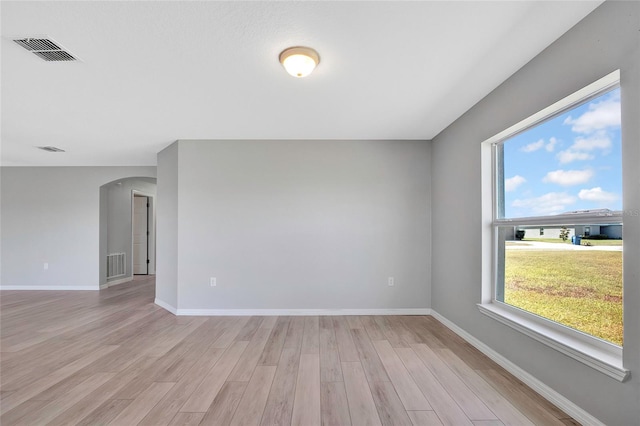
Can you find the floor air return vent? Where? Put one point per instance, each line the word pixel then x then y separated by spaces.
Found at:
pixel 115 265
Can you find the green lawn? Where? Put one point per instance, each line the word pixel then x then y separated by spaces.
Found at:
pixel 603 242
pixel 580 289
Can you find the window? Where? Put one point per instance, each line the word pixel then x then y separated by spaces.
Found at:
pixel 559 172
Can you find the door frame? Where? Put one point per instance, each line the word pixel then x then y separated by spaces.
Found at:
pixel 151 225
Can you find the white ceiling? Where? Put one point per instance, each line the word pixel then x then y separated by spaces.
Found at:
pixel 155 72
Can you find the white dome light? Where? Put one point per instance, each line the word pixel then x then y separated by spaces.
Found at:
pixel 299 61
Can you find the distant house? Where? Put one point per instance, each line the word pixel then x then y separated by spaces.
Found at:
pixel 612 231
pixel 547 232
pixel 551 232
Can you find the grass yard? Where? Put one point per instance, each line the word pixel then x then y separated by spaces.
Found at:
pixel 596 243
pixel 580 289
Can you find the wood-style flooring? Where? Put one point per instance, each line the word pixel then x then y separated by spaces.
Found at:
pixel 114 357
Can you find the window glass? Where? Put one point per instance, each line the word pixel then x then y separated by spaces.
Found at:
pixel 571 162
pixel 575 282
pixel 563 173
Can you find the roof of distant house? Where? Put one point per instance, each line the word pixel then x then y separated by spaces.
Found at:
pixel 601 212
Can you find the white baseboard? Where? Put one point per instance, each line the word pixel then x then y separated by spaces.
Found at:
pixel 551 395
pixel 289 312
pixel 50 287
pixel 115 282
pixel 299 312
pixel 166 306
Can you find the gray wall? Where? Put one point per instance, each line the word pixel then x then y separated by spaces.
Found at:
pixel 297 224
pixel 118 217
pixel 606 40
pixel 52 214
pixel 167 227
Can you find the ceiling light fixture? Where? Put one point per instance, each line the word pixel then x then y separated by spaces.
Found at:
pixel 299 61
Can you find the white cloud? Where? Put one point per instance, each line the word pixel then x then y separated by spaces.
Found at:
pixel 597 195
pixel 600 116
pixel 547 204
pixel 568 177
pixel 539 144
pixel 569 156
pixel 597 141
pixel 512 183
pixel 582 146
pixel 551 145
pixel 533 146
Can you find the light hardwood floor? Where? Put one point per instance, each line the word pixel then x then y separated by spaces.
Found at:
pixel 113 357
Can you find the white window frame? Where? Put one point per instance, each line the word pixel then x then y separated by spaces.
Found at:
pixel 592 351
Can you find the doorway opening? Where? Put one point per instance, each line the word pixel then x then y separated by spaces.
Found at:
pixel 141 233
pixel 127 230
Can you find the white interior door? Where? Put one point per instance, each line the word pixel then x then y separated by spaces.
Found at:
pixel 140 235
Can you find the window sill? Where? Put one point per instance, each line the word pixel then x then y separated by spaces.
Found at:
pixel 602 356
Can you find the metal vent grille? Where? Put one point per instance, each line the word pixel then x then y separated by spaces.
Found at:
pixel 115 265
pixel 45 49
pixel 37 44
pixel 57 55
pixel 51 149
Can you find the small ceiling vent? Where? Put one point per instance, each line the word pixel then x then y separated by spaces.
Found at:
pixel 45 49
pixel 51 149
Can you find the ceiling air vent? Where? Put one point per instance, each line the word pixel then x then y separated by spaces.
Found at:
pixel 51 149
pixel 45 49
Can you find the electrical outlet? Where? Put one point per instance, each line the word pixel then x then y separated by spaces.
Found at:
pixel 212 282
pixel 45 266
pixel 391 282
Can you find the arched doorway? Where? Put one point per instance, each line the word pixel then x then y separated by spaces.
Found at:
pixel 118 225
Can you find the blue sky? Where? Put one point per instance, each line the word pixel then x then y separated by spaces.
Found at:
pixel 571 162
